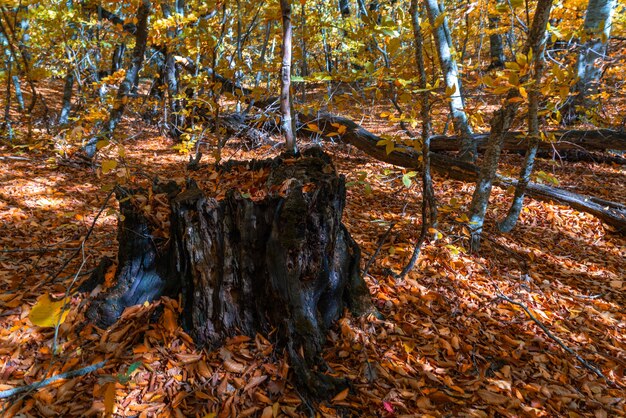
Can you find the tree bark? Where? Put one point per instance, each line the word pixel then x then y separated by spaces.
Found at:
pixel 66 106
pixel 287 121
pixel 496 48
pixel 285 262
pixel 573 139
pixel 500 124
pixel 451 76
pixel 597 29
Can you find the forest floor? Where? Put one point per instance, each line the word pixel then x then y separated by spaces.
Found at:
pixel 450 343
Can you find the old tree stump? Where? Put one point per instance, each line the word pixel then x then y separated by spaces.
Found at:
pixel 284 262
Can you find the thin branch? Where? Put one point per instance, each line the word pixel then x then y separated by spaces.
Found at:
pixel 67 375
pixel 556 339
pixel 82 244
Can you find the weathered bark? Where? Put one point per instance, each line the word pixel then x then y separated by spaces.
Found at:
pixel 534 96
pixel 344 8
pixel 285 263
pixel 496 48
pixel 597 29
pixel 451 76
pixel 429 205
pixel 596 140
pixel 66 106
pixel 18 92
pixel 117 61
pixel 287 121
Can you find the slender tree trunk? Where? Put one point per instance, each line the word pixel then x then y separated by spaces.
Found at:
pixel 132 75
pixel 344 8
pixel 66 106
pixel 451 77
pixel 429 206
pixel 117 62
pixel 496 49
pixel 597 30
pixel 500 124
pixel 534 96
pixel 287 123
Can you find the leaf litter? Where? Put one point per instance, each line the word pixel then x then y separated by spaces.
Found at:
pixel 448 346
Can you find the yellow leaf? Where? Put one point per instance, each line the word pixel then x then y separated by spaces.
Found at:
pixel 313 127
pixel 450 90
pixel 385 114
pixel 523 93
pixel 48 313
pixel 210 415
pixel 341 395
pixel 108 165
pixel 109 399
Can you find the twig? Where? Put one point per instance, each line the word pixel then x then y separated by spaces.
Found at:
pixel 549 333
pixel 379 246
pixel 36 385
pixel 38 250
pixel 82 244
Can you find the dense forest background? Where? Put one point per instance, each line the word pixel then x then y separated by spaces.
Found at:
pixel 314 208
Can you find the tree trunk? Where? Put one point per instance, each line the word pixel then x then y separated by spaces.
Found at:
pixel 130 79
pixel 500 124
pixel 597 29
pixel 287 121
pixel 533 139
pixel 451 77
pixel 66 106
pixel 117 62
pixel 496 49
pixel 285 262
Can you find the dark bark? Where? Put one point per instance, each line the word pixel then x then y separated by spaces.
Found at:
pixel 496 49
pixel 117 62
pixel 534 95
pixel 285 263
pixel 597 140
pixel 66 105
pixel 429 205
pixel 344 8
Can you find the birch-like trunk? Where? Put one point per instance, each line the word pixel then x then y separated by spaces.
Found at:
pixel 597 30
pixel 450 72
pixel 287 121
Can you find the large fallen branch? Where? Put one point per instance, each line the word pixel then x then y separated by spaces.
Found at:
pixel 596 140
pixel 611 213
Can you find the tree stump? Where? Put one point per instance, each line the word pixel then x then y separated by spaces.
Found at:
pixel 284 262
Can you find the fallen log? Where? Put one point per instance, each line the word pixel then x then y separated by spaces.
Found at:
pixel 596 140
pixel 611 213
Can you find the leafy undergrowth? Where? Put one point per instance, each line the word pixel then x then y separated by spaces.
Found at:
pixel 450 344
